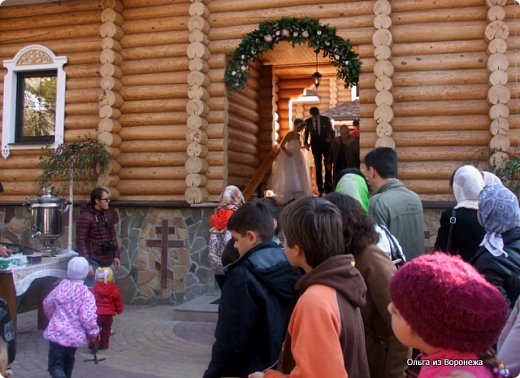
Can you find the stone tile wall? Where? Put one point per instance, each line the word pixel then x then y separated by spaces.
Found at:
pixel 140 233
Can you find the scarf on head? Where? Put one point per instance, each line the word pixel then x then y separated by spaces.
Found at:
pixel 498 212
pixel 490 178
pixel 355 186
pixel 467 184
pixel 231 198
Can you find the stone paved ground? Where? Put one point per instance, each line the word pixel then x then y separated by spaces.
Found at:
pixel 147 344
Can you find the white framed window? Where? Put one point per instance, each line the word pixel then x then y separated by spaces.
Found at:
pixel 34 100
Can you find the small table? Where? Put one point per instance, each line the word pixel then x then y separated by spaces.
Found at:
pixel 49 267
pixel 16 280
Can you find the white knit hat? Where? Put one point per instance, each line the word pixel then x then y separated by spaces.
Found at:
pixel 77 269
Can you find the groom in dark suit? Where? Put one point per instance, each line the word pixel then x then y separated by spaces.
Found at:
pixel 320 130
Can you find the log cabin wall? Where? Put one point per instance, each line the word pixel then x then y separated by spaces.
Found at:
pixel 434 99
pixel 438 83
pixel 512 20
pixel 154 90
pixel 70 29
pixel 265 104
pixel 243 153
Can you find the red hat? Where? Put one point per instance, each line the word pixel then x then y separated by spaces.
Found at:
pixel 448 303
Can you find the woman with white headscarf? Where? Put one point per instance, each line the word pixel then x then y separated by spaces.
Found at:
pixel 499 258
pixel 461 221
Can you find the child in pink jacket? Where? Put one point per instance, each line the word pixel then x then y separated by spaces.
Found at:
pixel 108 301
pixel 442 306
pixel 71 310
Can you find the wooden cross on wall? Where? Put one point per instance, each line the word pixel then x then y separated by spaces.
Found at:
pixel 164 243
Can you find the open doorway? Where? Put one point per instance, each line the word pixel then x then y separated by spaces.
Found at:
pixel 277 65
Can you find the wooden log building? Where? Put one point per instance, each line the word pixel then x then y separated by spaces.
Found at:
pixel 439 83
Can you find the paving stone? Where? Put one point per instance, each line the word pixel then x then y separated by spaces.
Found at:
pixel 147 343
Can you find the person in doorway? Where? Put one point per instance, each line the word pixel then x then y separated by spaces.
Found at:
pixel 392 204
pixel 319 129
pixel 96 234
pixel 344 151
pixel 290 174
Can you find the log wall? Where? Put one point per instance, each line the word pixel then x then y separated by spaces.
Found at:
pixel 70 29
pixel 147 78
pixel 431 89
pixel 243 152
pixel 512 20
pixel 155 74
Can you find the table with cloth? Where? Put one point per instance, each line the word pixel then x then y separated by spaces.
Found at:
pixel 25 287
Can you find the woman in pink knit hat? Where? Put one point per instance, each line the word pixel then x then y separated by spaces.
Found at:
pixel 442 306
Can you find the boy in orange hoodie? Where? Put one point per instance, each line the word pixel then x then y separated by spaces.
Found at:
pixel 108 301
pixel 325 337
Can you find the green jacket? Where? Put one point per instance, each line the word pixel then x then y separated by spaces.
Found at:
pixel 400 210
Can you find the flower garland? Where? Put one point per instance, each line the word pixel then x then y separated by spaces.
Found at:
pixel 296 31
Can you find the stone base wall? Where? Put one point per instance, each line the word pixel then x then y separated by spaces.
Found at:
pixel 143 241
pixel 432 223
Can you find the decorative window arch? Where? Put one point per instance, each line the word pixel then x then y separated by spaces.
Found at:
pixel 297 31
pixel 31 59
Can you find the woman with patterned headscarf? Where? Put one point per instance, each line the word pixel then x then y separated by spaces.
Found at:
pixel 230 200
pixel 460 232
pixel 498 259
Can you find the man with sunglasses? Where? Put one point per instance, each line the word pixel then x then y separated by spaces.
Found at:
pixel 96 235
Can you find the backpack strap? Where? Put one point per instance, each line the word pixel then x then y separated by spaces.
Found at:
pixel 453 220
pixel 395 252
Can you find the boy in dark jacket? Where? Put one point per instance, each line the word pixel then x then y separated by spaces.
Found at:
pixel 108 302
pixel 256 300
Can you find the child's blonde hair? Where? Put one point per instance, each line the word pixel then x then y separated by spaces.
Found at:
pixel 104 274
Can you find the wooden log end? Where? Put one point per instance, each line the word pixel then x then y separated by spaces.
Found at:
pixel 385 141
pixel 384 130
pixel 498 159
pixel 499 143
pixel 194 195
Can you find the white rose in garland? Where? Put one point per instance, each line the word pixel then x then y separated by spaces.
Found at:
pixel 321 38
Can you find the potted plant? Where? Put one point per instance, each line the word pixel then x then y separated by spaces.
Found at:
pixel 80 161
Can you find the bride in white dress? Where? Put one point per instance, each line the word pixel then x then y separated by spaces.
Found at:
pixel 290 174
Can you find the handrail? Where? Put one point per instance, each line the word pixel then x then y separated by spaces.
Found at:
pixel 260 172
pixel 263 168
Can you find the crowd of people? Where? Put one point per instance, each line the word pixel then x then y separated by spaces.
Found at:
pixel 350 292
pixel 332 286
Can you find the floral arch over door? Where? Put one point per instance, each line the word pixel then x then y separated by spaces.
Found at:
pixel 321 38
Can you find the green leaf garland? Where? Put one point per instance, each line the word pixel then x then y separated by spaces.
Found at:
pixel 297 31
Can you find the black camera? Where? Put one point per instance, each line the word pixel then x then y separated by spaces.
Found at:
pixel 108 246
